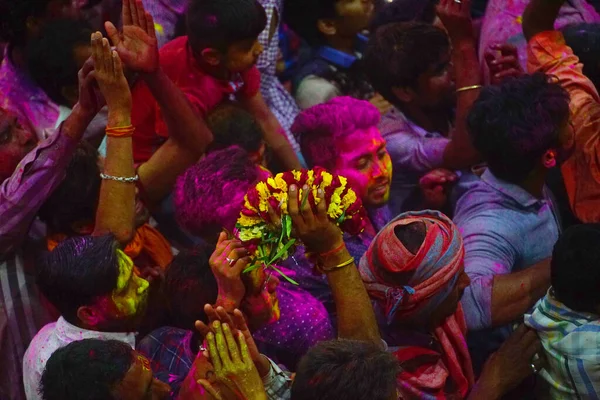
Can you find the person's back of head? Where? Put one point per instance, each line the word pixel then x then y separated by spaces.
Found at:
pixel 21 20
pixel 189 284
pixel 321 127
pixel 346 369
pixel 71 208
pixel 584 39
pixel 574 271
pixel 209 195
pixel 55 57
pixel 400 54
pixel 404 11
pixel 514 125
pixel 303 17
pixel 89 369
pixel 231 125
pixel 219 24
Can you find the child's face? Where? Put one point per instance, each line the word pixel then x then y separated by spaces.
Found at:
pixel 242 56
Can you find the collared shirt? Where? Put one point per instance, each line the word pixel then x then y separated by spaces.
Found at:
pixel 51 338
pixel 331 73
pixel 204 92
pixel 549 53
pixel 505 229
pixel 279 100
pixel 170 353
pixel 570 340
pixel 20 95
pixel 414 152
pixel 503 20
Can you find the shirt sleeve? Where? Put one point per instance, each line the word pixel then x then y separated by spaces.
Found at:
pixel 413 153
pixel 487 254
pixel 34 179
pixel 549 53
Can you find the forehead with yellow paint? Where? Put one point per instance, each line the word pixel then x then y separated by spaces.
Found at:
pixel 131 291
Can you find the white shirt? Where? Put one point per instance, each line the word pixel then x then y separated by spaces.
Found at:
pixel 49 339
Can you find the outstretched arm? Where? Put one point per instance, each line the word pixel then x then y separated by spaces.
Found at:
pixel 188 134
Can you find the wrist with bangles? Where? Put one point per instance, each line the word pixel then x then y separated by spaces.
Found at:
pixel 332 260
pixel 468 88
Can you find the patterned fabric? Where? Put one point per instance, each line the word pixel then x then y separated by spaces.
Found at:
pixel 202 90
pixel 21 96
pixel 51 338
pixel 503 23
pixel 549 53
pixel 422 282
pixel 357 245
pixel 170 353
pixel 279 100
pixel 572 348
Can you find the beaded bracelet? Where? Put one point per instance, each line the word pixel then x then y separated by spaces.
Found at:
pixel 121 131
pixel 130 179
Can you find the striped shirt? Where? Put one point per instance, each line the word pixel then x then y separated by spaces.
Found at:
pixel 21 311
pixel 571 343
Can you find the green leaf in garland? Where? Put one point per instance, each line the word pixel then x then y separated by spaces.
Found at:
pixel 342 218
pixel 287 226
pixel 252 268
pixel 287 278
pixel 281 252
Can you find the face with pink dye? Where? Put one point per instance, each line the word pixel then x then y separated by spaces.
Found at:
pixel 364 160
pixel 15 142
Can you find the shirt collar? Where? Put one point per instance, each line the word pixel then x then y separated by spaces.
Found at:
pixel 511 190
pixel 68 333
pixel 339 58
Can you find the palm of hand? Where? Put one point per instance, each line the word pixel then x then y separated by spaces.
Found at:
pixel 138 50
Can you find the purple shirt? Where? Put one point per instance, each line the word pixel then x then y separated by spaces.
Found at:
pixel 21 196
pixel 25 99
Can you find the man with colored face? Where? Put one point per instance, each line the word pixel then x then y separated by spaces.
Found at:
pixel 342 136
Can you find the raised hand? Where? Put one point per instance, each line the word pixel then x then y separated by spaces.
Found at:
pixel 434 187
pixel 137 45
pixel 233 364
pixel 456 17
pixel 90 100
pixel 108 72
pixel 503 62
pixel 227 262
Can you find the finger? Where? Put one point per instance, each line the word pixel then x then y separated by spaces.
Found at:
pixel 273 217
pixel 224 316
pixel 202 328
pixel 239 320
pixel 89 80
pixel 126 13
pixel 96 49
pixel 134 13
pixel 533 349
pixel 294 210
pixel 221 245
pixel 117 67
pixel 231 344
pixel 505 61
pixel 322 206
pixel 211 313
pixel 87 67
pixel 240 265
pixel 106 57
pixel 222 345
pixel 141 14
pixel 245 354
pixel 150 29
pixel 214 353
pixel 210 389
pixel 507 73
pixel 112 33
pixel 305 208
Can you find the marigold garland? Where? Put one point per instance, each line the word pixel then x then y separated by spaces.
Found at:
pixel 268 243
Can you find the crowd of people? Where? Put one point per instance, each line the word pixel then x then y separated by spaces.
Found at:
pixel 132 133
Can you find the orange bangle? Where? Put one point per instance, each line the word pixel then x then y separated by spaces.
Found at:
pixel 330 252
pixel 119 132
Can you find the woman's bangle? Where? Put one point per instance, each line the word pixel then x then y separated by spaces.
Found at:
pixel 122 131
pixel 467 88
pixel 123 179
pixel 342 265
pixel 330 252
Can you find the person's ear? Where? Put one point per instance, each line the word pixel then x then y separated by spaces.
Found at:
pixel 89 316
pixel 404 94
pixel 211 57
pixel 549 159
pixel 326 27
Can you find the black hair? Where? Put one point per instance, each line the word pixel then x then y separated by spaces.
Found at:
pixel 190 284
pixel 398 53
pixel 13 19
pixel 76 198
pixel 86 369
pixel 405 11
pixel 574 271
pixel 345 369
pixel 218 24
pixel 302 17
pixel 232 125
pixel 77 272
pixel 51 56
pixel 584 39
pixel 512 125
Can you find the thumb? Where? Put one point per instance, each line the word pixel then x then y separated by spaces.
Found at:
pixel 112 33
pixel 210 389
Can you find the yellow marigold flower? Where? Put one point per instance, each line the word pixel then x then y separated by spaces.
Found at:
pixel 255 232
pixel 247 221
pixel 311 177
pixel 297 175
pixel 349 199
